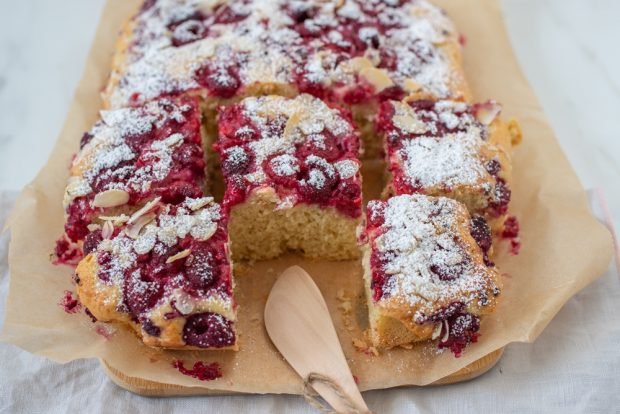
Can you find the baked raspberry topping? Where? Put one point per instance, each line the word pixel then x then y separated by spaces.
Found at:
pixel 440 148
pixel 138 154
pixel 397 45
pixel 208 330
pixel 458 331
pixel 221 78
pixel 416 252
pixel 420 260
pixel 303 149
pixel 169 259
pixel 200 370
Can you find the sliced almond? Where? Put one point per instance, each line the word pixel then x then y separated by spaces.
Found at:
pixel 358 63
pixel 185 305
pixel 487 112
pixel 437 331
pixel 116 220
pixel 409 123
pixel 411 86
pixel 133 230
pixel 203 232
pixel 111 198
pixel 292 124
pixel 145 209
pixel 178 256
pixel 447 334
pixel 93 227
pixel 107 230
pixel 378 78
pixel 198 203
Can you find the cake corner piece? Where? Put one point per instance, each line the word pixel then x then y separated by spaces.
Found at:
pixel 425 274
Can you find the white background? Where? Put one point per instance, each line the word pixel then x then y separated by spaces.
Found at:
pixel 570 52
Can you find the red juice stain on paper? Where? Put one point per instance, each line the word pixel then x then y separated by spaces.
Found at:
pixel 69 303
pixel 200 370
pixel 463 40
pixel 511 233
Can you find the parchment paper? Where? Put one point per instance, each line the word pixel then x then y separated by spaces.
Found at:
pixel 564 247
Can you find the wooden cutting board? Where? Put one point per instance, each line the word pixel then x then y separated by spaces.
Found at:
pixel 147 388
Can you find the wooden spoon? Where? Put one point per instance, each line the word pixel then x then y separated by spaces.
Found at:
pixel 298 323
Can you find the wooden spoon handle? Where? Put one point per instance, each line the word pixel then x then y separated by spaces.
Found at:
pixel 299 324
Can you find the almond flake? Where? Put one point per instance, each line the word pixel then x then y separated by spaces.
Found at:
pixel 183 302
pixel 111 198
pixel 133 229
pixel 487 112
pixel 411 86
pixel 108 230
pixel 409 124
pixel 93 227
pixel 116 220
pixel 185 307
pixel 378 78
pixel 292 123
pixel 358 63
pixel 145 209
pixel 198 203
pixel 437 331
pixel 447 334
pixel 180 255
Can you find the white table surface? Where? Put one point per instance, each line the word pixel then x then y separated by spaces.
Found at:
pixel 569 51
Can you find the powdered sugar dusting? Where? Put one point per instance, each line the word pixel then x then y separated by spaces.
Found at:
pixel 109 160
pixel 451 161
pixel 441 147
pixel 424 255
pixel 273 41
pixel 283 126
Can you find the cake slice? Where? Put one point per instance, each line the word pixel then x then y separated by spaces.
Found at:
pixel 291 172
pixel 132 156
pixel 425 273
pixel 354 53
pixel 166 272
pixel 451 149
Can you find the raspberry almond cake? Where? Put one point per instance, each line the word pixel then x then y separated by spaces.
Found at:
pixel 356 53
pixel 165 272
pixel 451 149
pixel 292 178
pixel 282 99
pixel 425 273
